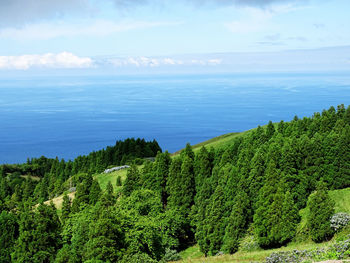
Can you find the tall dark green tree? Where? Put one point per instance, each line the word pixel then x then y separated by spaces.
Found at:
pixel 39 235
pixel 8 235
pixel 162 164
pixel 132 181
pixel 215 225
pixel 321 210
pixel 237 223
pixel 95 192
pixel 66 208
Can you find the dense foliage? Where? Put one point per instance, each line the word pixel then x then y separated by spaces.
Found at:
pixel 253 186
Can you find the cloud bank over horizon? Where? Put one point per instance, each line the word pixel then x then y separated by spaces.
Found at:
pixel 52 61
pixel 331 58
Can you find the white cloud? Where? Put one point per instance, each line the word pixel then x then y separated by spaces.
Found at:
pixel 49 60
pixel 157 62
pixel 98 28
pixel 259 20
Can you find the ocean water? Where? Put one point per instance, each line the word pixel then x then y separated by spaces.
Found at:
pixel 67 116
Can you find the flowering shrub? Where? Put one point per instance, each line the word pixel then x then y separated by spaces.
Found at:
pixel 340 250
pixel 339 220
pixel 249 243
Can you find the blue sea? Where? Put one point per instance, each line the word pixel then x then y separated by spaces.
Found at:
pixel 67 116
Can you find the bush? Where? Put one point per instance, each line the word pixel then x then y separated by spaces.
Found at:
pixel 138 258
pixel 339 221
pixel 338 251
pixel 249 243
pixel 171 255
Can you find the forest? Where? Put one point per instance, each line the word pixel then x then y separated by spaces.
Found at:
pixel 212 197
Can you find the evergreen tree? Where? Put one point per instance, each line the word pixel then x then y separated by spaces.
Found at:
pixel 132 181
pixel 215 225
pixel 105 239
pixel 202 167
pixel 95 192
pixel 8 235
pixel 39 235
pixel 119 181
pixel 162 164
pixel 290 218
pixel 267 217
pixel 182 187
pixel 321 210
pixel 66 208
pixel 237 223
pixel 270 130
pixel 81 196
pixel 108 199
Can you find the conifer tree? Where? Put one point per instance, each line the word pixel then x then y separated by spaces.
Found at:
pixel 270 130
pixel 267 217
pixel 66 208
pixel 202 167
pixel 8 235
pixel 215 225
pixel 81 196
pixel 95 192
pixel 132 181
pixel 108 199
pixel 182 189
pixel 162 164
pixel 39 235
pixel 237 223
pixel 119 181
pixel 290 218
pixel 321 210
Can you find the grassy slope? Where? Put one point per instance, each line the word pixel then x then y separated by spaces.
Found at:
pixel 342 204
pixel 217 142
pixel 103 180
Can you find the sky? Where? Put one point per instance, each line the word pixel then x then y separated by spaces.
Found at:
pixel 212 35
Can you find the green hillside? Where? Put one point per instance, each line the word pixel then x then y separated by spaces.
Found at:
pixel 342 204
pixel 241 198
pixel 216 142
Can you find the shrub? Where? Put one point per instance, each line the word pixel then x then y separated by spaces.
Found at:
pixel 339 221
pixel 171 255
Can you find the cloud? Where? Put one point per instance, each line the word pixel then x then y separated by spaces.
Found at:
pixel 15 13
pixel 158 62
pixel 255 20
pixel 49 60
pixel 20 12
pixel 256 3
pixel 98 28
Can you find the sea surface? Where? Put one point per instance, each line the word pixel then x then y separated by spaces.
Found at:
pixel 68 116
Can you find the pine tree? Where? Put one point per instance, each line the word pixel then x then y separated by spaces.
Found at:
pixel 321 209
pixel 81 196
pixel 66 208
pixel 95 192
pixel 8 235
pixel 290 218
pixel 108 199
pixel 39 235
pixel 237 223
pixel 132 181
pixel 182 188
pixel 202 167
pixel 162 164
pixel 215 225
pixel 105 239
pixel 270 130
pixel 267 217
pixel 119 181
